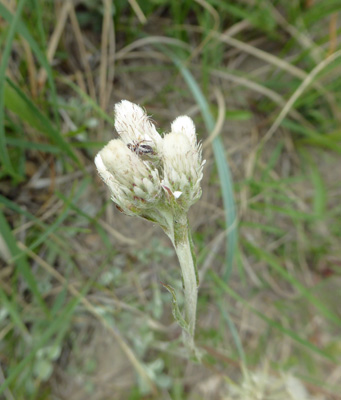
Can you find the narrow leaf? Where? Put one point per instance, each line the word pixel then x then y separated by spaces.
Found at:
pixel 22 106
pixel 175 308
pixel 294 336
pixel 4 156
pixel 220 158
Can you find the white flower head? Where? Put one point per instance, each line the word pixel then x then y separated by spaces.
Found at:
pixel 149 175
pixel 183 163
pixel 134 184
pixel 134 126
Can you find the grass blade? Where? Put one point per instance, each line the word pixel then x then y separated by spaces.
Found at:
pixel 294 336
pixel 21 262
pixel 233 330
pixel 17 102
pixel 276 265
pixel 10 306
pixel 3 66
pixel 53 328
pixel 90 101
pixel 24 32
pixel 221 162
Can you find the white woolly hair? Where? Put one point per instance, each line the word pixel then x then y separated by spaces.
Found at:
pixel 185 125
pixel 133 124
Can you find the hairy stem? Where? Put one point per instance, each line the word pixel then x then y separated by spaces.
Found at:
pixel 183 248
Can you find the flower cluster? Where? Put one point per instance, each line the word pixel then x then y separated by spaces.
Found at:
pixel 151 176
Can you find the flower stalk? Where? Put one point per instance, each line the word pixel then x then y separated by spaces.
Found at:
pixel 183 247
pixel 158 179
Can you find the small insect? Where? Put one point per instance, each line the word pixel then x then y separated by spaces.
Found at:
pixel 141 149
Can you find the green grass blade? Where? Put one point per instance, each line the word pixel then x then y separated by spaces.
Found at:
pixel 43 147
pixel 90 101
pixel 316 138
pixel 13 206
pixel 233 330
pixel 62 216
pixel 276 265
pixel 320 192
pixel 320 10
pixel 289 212
pixel 21 262
pixel 53 329
pixel 4 156
pixel 90 219
pixel 39 16
pixel 293 335
pixel 18 103
pixel 221 162
pixel 10 307
pixel 23 31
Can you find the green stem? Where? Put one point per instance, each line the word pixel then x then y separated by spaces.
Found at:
pixel 182 244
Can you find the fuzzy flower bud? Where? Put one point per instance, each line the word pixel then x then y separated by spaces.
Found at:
pixel 185 125
pixel 134 185
pixel 134 126
pixel 182 162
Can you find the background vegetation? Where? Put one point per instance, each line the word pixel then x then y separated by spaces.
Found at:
pixel 83 314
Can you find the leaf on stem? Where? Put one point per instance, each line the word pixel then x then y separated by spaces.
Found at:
pixel 175 308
